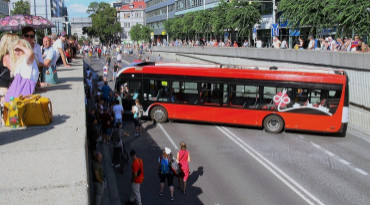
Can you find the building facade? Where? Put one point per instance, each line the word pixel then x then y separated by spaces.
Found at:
pixel 77 24
pixel 53 10
pixel 157 12
pixel 129 15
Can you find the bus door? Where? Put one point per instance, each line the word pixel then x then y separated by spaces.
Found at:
pixel 131 90
pixel 157 91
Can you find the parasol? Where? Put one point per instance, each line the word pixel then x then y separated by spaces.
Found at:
pixel 17 22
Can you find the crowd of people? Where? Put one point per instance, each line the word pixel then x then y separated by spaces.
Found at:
pixel 26 66
pixel 355 44
pixel 105 125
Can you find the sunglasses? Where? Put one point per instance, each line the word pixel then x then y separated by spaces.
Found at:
pixel 29 36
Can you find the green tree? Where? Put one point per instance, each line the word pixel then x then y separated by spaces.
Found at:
pixel 352 15
pixel 202 23
pixel 218 17
pixel 21 7
pixel 308 13
pixel 140 33
pixel 245 17
pixel 187 28
pixel 104 22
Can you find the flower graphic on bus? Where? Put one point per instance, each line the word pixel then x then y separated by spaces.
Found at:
pixel 281 100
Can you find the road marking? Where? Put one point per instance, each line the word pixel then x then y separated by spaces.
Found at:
pixel 343 161
pixel 361 171
pixel 300 136
pixel 287 180
pixel 168 136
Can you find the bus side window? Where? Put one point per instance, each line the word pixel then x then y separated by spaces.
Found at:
pixel 333 100
pixel 267 100
pixel 236 98
pixel 190 93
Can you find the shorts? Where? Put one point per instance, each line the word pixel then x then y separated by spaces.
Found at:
pixel 137 122
pixel 169 179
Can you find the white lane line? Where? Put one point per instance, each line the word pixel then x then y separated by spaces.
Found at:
pixel 300 136
pixel 361 171
pixel 168 136
pixel 329 153
pixel 291 183
pixel 343 161
pixel 316 145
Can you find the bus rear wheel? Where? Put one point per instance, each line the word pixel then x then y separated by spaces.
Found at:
pixel 159 114
pixel 273 123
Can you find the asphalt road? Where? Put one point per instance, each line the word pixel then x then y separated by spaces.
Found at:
pixel 237 165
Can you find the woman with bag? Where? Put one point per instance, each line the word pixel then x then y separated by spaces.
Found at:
pixel 183 158
pixel 26 72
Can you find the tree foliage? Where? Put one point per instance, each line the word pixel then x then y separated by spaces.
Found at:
pixel 226 16
pixel 352 15
pixel 104 22
pixel 21 7
pixel 140 33
pixel 343 14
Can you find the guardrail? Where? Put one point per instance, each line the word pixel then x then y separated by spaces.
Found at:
pixel 344 60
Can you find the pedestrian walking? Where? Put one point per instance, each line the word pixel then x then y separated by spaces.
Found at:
pixel 118 112
pixel 98 178
pixel 115 70
pixel 136 179
pixel 137 110
pixel 183 158
pixel 165 172
pixel 105 72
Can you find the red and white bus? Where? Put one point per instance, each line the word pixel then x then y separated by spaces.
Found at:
pixel 273 98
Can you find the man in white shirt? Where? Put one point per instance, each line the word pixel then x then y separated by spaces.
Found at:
pixel 29 35
pixel 118 111
pixel 59 48
pixel 119 56
pixel 50 57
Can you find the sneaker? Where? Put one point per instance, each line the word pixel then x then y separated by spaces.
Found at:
pixel 117 166
pixel 160 193
pixel 172 198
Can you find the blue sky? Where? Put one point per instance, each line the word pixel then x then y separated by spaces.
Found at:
pixel 77 8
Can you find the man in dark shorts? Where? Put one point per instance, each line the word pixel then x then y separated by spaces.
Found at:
pixel 165 172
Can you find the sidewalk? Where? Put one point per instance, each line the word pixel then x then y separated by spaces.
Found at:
pixel 48 164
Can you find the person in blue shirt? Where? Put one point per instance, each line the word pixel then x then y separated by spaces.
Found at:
pixel 165 171
pixel 105 91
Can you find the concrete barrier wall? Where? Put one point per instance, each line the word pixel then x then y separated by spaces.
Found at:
pixel 319 58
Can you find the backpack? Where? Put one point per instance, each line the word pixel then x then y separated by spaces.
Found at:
pixel 164 166
pixel 140 111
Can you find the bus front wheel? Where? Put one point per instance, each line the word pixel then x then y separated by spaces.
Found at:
pixel 273 123
pixel 159 114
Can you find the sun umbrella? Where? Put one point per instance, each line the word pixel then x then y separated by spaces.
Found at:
pixel 17 22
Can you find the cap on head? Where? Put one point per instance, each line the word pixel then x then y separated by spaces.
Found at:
pixel 167 150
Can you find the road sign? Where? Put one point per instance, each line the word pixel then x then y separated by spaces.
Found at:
pixel 152 33
pixel 274 29
pixel 163 33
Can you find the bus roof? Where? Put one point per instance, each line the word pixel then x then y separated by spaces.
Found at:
pixel 239 72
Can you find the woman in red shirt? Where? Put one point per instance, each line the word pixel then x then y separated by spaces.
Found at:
pixel 183 158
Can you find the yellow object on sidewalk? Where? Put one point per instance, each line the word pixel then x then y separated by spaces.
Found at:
pixel 32 110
